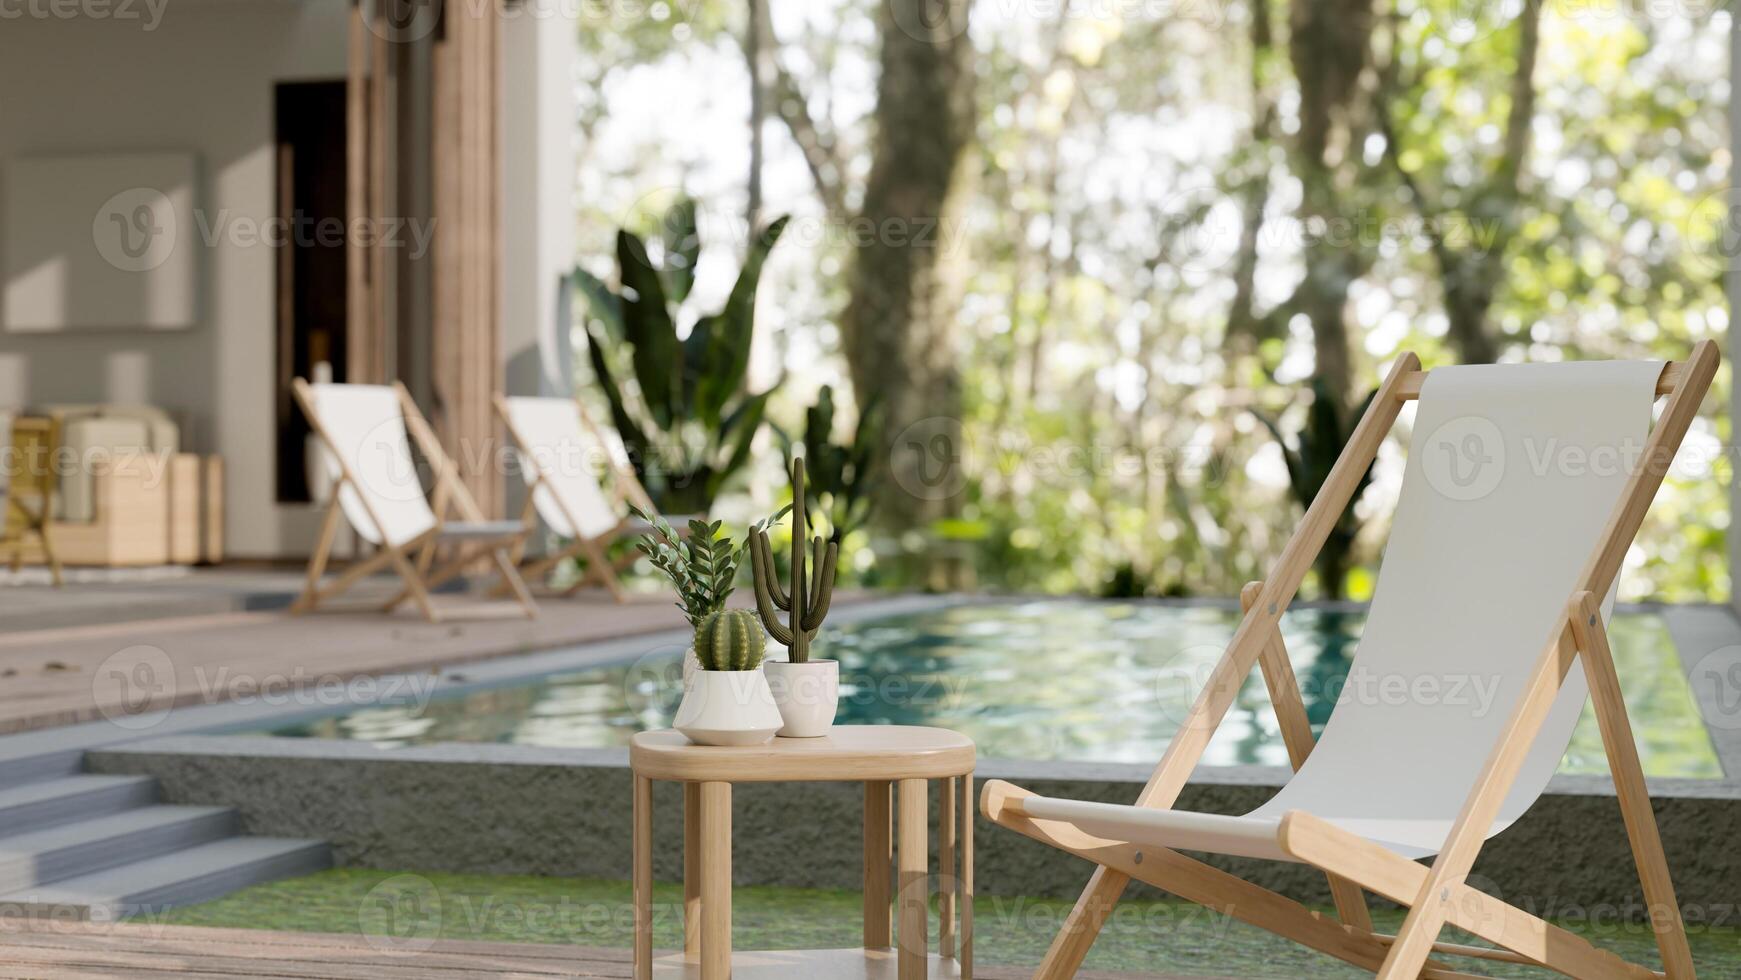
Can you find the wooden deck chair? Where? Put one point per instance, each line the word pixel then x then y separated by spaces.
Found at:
pixel 375 487
pixel 1524 487
pixel 29 488
pixel 562 453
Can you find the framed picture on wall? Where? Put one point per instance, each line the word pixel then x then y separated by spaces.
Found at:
pixel 100 241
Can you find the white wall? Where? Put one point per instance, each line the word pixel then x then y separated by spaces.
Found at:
pixel 538 176
pixel 190 76
pixel 538 49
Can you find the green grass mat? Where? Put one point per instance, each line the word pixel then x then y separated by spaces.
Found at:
pixel 1144 936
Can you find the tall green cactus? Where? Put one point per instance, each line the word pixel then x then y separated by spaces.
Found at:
pixel 731 639
pixel 807 603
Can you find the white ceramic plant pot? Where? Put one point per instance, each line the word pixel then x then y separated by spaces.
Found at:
pixel 727 707
pixel 691 664
pixel 808 695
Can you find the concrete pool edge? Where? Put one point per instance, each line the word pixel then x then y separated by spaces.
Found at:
pixel 504 809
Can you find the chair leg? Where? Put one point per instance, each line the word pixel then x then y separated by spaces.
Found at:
pixel 1196 882
pixel 413 583
pixel 511 578
pixel 1427 912
pixel 426 556
pixel 1082 926
pixel 329 526
pixel 1323 845
pixel 48 552
pixel 1629 789
pixel 349 576
pixel 598 567
pixel 44 517
pixel 17 560
pixel 462 557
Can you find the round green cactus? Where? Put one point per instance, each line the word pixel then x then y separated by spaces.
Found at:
pixel 731 639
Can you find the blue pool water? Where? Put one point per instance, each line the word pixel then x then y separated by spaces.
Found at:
pixel 1075 680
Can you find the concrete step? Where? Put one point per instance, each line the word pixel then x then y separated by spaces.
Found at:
pixel 198 873
pixel 65 799
pixel 48 855
pixel 30 767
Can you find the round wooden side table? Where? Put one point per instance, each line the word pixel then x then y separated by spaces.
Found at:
pixel 880 757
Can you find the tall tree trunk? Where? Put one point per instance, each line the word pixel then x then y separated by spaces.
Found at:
pixel 757 55
pixel 1330 44
pixel 899 325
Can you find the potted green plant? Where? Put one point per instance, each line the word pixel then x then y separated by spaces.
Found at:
pixel 726 699
pixel 807 691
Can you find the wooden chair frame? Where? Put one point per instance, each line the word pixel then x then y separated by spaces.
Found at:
pixel 34 521
pixel 625 487
pixel 412 560
pixel 1436 895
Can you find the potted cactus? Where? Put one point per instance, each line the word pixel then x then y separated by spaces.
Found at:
pixel 726 699
pixel 807 691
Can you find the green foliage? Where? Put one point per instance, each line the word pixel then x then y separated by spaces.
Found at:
pixel 730 639
pixel 1310 455
pixel 842 480
pixel 1140 320
pixel 680 404
pixel 702 566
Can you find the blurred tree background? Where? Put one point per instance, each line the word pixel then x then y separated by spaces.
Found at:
pixel 1126 269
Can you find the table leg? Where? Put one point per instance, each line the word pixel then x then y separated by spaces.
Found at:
pixel 692 869
pixel 715 881
pixel 966 882
pixel 914 890
pixel 946 870
pixel 878 865
pixel 643 878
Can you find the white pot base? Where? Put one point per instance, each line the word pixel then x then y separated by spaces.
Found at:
pixel 727 707
pixel 808 696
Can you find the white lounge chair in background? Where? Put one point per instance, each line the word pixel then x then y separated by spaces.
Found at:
pixel 366 432
pixel 1524 488
pixel 562 455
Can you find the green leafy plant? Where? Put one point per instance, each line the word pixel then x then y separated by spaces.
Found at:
pixel 682 406
pixel 1309 455
pixel 702 565
pixel 841 476
pixel 731 639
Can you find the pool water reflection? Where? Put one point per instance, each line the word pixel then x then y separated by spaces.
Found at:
pixel 1071 680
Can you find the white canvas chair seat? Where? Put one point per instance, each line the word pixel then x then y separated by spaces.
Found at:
pixel 365 434
pixel 580 482
pixel 365 427
pixel 1473 578
pixel 569 461
pixel 1523 487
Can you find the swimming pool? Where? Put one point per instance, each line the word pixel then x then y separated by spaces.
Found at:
pixel 1066 680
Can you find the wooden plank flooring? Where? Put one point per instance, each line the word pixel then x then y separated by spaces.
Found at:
pixel 64 950
pixel 57 676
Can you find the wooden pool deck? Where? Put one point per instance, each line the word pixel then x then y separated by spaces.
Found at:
pixel 61 676
pixel 65 950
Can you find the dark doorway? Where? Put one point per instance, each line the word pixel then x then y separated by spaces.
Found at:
pixel 310 126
